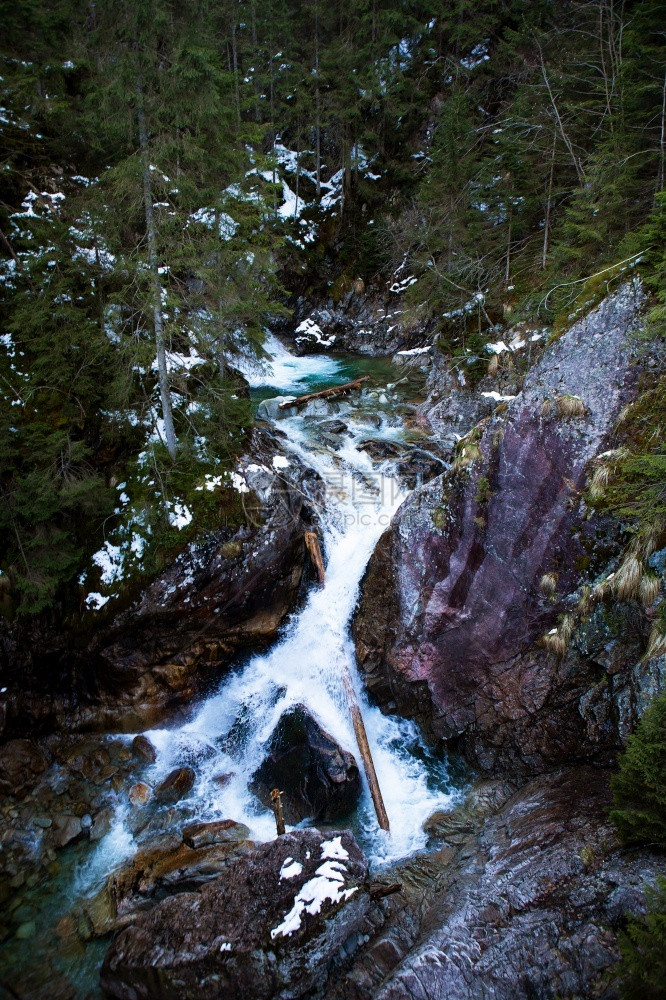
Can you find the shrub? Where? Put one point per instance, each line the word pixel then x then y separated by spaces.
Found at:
pixel 639 788
pixel 642 973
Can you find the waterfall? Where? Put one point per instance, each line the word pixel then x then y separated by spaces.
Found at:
pixel 229 732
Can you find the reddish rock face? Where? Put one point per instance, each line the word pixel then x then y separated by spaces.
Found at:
pixel 451 605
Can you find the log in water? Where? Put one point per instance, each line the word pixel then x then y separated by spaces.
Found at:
pixel 336 390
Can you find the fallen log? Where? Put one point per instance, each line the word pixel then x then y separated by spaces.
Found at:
pixel 364 750
pixel 336 390
pixel 312 544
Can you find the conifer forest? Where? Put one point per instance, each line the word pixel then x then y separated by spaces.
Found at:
pixel 333 499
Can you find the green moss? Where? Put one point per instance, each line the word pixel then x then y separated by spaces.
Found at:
pixel 483 491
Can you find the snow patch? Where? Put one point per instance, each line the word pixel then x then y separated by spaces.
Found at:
pixel 290 869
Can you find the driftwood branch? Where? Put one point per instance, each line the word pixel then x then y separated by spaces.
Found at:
pixel 276 801
pixel 336 390
pixel 312 543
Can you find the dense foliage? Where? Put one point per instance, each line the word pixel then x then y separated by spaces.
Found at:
pixel 172 172
pixel 643 949
pixel 639 788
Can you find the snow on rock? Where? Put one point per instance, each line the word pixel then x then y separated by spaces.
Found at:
pixel 311 332
pixel 497 348
pixel 95 601
pixel 238 483
pixel 280 462
pixel 326 885
pixel 290 869
pixel 497 396
pixel 400 286
pixel 334 849
pixel 415 350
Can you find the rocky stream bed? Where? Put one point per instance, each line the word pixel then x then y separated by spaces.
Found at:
pixel 137 851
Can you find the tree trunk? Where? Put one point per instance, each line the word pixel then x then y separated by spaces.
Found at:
pixel 317 106
pixel 546 224
pixel 158 319
pixel 662 138
pixel 235 58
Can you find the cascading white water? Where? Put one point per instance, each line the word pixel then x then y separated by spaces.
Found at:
pixel 230 731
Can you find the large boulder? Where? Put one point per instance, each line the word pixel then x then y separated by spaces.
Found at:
pixel 451 605
pixel 170 864
pixel 271 925
pixel 318 779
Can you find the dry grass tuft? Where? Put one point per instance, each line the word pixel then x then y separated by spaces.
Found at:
pixel 548 584
pixel 566 628
pixel 628 578
pixel 656 643
pixel 649 589
pixel 554 643
pixel 585 601
pixel 600 481
pixel 570 406
pixel 603 590
pixel 546 408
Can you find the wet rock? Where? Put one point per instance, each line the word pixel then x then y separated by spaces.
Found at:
pixel 139 794
pixel 272 924
pixel 26 931
pixel 66 828
pixel 269 409
pixel 223 779
pixel 22 763
pixel 451 608
pixel 225 831
pixel 527 904
pixel 333 426
pixel 381 450
pixel 165 865
pixel 101 823
pixel 144 749
pixel 485 797
pixel 176 785
pixel 317 778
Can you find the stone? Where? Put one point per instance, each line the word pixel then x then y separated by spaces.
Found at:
pixel 176 785
pixel 144 749
pixel 269 409
pixel 223 779
pixel 317 778
pixel 101 823
pixel 66 828
pixel 270 925
pixel 161 867
pixel 26 931
pixel 139 794
pixel 451 612
pixel 22 762
pixel 225 831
